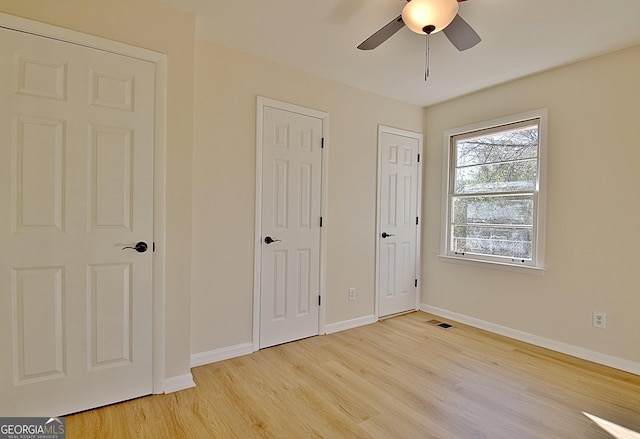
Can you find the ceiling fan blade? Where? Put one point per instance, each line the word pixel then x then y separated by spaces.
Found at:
pixel 383 34
pixel 461 34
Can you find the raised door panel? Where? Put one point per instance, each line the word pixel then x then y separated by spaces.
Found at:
pixel 110 339
pixel 39 329
pixel 303 281
pixel 280 193
pixel 110 177
pixel 279 285
pixel 111 90
pixel 305 196
pixel 38 173
pixel 43 78
pixel 392 200
pixel 388 264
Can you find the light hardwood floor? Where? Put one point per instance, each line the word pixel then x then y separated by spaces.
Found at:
pixel 398 378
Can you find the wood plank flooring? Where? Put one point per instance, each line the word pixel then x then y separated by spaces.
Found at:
pixel 398 378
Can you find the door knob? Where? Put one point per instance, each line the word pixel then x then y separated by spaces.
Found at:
pixel 269 240
pixel 140 247
pixel 385 234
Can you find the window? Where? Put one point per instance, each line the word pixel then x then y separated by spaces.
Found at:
pixel 494 201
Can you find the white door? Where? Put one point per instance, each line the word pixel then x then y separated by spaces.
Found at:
pixel 76 187
pixel 398 228
pixel 290 228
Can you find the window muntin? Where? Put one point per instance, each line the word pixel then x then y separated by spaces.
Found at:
pixel 493 192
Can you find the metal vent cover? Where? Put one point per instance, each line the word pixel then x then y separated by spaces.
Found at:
pixel 439 324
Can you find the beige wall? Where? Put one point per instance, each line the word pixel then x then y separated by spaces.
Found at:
pixel 227 83
pixel 155 26
pixel 593 206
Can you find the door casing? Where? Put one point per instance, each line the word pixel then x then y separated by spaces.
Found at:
pixel 159 151
pixel 263 102
pixel 419 137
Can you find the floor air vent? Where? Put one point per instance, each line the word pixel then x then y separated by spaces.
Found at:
pixel 439 324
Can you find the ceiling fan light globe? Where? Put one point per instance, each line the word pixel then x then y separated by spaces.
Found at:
pixel 420 13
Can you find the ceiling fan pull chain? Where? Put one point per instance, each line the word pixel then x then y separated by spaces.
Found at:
pixel 426 60
pixel 427 30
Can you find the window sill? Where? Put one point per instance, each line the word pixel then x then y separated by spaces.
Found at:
pixel 524 269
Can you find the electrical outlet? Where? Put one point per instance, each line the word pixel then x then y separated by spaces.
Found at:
pixel 599 319
pixel 352 294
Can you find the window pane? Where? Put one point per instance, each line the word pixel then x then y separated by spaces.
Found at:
pixel 500 210
pixel 501 177
pixel 511 242
pixel 498 147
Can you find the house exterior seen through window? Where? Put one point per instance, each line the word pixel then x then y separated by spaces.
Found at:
pixel 494 204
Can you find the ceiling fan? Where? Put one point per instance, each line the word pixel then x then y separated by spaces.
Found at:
pixel 426 17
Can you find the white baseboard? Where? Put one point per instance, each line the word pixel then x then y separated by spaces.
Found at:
pixel 349 324
pixel 179 382
pixel 213 356
pixel 554 345
pixel 208 357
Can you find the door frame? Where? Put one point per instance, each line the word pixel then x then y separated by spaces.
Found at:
pixel 46 30
pixel 419 137
pixel 261 103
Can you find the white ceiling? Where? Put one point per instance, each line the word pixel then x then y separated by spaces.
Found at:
pixel 519 37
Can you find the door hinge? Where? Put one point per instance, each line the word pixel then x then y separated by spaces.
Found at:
pixel 416 221
pixel 320 221
pixel 418 158
pixel 416 284
pixel 319 300
pixel 322 143
pixel 153 247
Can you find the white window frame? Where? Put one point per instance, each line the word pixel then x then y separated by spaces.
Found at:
pixel 536 265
